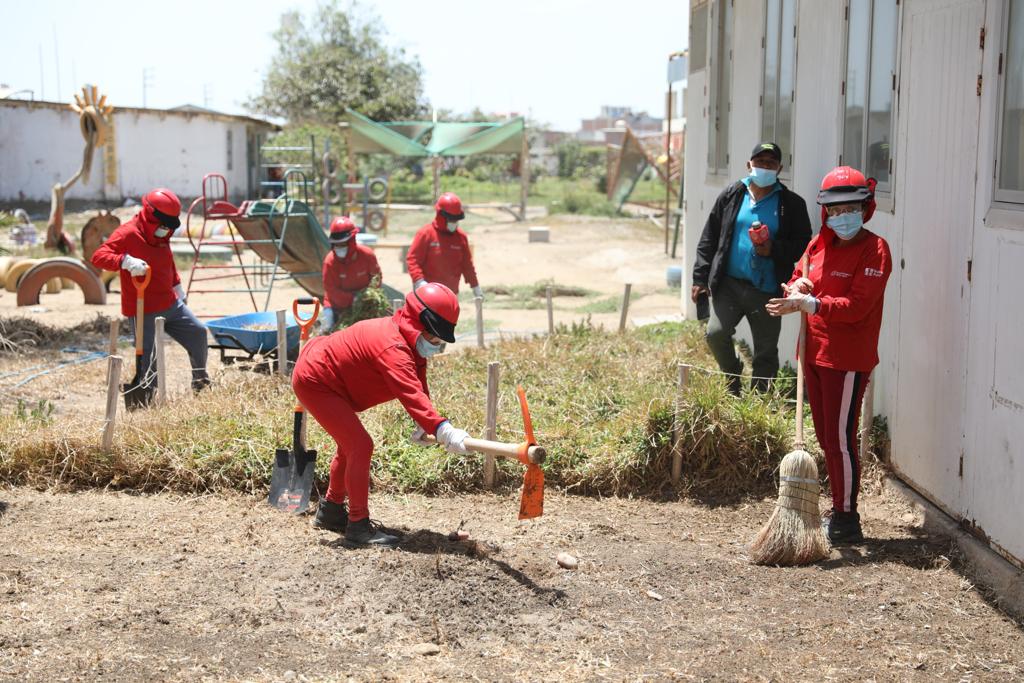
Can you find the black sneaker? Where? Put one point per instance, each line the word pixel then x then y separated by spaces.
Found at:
pixel 331 516
pixel 843 528
pixel 368 534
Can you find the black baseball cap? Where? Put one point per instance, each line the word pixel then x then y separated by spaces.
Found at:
pixel 769 147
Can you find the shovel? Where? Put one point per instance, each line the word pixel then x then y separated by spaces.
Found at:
pixel 138 394
pixel 292 480
pixel 528 452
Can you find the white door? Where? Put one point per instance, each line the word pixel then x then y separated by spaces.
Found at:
pixel 937 158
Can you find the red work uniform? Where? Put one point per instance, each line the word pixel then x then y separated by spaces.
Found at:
pixel 135 237
pixel 347 276
pixel 842 346
pixel 354 369
pixel 437 255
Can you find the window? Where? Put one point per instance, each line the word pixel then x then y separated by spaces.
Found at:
pixel 231 156
pixel 1010 162
pixel 698 36
pixel 779 75
pixel 869 87
pixel 719 84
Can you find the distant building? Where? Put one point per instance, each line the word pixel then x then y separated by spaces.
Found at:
pixel 543 149
pixel 609 127
pixel 41 145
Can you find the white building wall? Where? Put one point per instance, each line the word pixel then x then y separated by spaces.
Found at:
pixel 42 145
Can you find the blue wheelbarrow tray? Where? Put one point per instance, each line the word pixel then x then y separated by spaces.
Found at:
pixel 236 332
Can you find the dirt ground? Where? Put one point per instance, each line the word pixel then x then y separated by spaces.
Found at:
pixel 112 586
pixel 105 586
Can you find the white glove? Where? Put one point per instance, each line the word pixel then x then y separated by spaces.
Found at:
pixel 801 286
pixel 453 439
pixel 416 438
pixel 179 292
pixel 135 266
pixel 419 283
pixel 793 303
pixel 478 292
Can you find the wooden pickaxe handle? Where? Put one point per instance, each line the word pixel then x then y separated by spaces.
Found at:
pixel 535 454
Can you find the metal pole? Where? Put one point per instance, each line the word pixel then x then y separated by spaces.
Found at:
pixel 282 343
pixel 668 164
pixel 625 307
pixel 524 175
pixel 161 362
pixel 493 374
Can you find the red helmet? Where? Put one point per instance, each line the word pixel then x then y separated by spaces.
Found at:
pixel 450 206
pixel 342 230
pixel 845 185
pixel 437 309
pixel 162 206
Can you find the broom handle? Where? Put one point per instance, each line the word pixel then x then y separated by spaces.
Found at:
pixel 801 345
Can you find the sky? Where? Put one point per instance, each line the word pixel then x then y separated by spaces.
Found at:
pixel 557 61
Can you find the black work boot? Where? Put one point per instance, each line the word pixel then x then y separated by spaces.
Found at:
pixel 367 534
pixel 843 528
pixel 331 516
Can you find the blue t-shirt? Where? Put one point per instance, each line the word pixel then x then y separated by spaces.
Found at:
pixel 743 263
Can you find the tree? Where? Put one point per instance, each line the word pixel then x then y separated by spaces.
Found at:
pixel 338 60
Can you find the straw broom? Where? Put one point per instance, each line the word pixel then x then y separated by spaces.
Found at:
pixel 793 534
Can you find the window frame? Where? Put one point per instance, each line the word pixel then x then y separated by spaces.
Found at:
pixel 1011 200
pixel 787 165
pixel 697 65
pixel 886 198
pixel 718 157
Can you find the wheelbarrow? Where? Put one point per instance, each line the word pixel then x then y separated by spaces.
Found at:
pixel 244 337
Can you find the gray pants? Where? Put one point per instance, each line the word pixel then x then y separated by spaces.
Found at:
pixel 734 300
pixel 183 327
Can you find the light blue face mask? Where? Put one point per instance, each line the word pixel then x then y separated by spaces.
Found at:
pixel 452 227
pixel 763 177
pixel 846 225
pixel 340 252
pixel 425 348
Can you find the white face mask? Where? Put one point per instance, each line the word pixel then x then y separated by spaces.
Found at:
pixel 161 233
pixel 425 348
pixel 340 252
pixel 452 227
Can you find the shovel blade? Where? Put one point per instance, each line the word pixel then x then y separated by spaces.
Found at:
pixel 292 480
pixel 137 396
pixel 532 503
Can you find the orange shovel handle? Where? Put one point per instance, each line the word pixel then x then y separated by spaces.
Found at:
pixel 306 324
pixel 140 306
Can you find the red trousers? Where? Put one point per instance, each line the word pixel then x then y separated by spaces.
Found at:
pixel 350 468
pixel 835 397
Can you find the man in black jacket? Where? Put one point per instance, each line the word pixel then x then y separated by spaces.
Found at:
pixel 756 231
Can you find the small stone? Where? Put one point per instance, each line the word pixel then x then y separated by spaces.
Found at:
pixel 425 649
pixel 909 518
pixel 656 596
pixel 289 675
pixel 567 561
pixel 458 535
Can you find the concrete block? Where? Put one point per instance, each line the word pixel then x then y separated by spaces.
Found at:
pixel 540 233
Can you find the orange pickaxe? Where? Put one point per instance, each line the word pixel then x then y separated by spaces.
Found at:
pixel 527 452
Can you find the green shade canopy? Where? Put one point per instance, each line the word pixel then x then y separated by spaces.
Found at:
pixel 447 139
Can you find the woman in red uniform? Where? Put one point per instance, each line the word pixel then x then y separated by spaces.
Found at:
pixel 440 251
pixel 348 269
pixel 362 366
pixel 842 293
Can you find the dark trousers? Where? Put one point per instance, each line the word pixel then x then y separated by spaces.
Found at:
pixel 183 327
pixel 732 301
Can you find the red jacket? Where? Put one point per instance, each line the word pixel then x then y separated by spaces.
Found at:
pixel 346 277
pixel 437 255
pixel 135 237
pixel 849 281
pixel 375 361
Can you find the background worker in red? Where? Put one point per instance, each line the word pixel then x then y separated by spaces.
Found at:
pixel 374 361
pixel 145 240
pixel 440 251
pixel 348 269
pixel 842 293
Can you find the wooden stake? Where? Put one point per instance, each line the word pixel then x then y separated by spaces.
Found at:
pixel 437 177
pixel 113 394
pixel 161 362
pixel 551 313
pixel 491 431
pixel 115 331
pixel 282 343
pixel 396 304
pixel 524 175
pixel 479 301
pixel 625 307
pixel 677 451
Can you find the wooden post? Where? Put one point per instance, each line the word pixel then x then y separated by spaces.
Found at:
pixel 551 313
pixel 396 304
pixel 115 332
pixel 625 308
pixel 353 171
pixel 493 374
pixel 668 163
pixel 479 301
pixel 161 362
pixel 113 394
pixel 524 175
pixel 867 417
pixel 437 178
pixel 282 343
pixel 677 451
